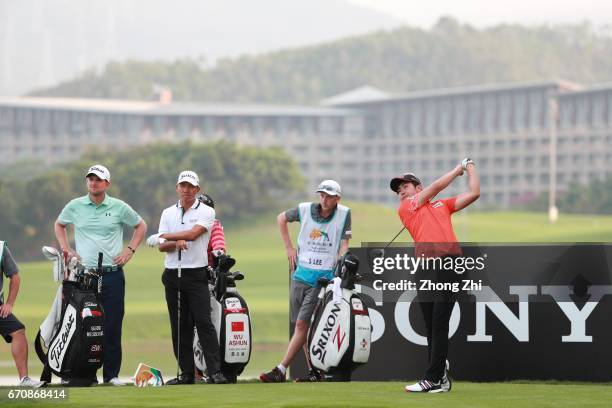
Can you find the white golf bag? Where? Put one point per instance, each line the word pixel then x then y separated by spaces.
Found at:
pixel 230 316
pixel 340 332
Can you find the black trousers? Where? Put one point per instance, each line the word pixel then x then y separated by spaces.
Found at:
pixel 437 307
pixel 195 310
pixel 113 300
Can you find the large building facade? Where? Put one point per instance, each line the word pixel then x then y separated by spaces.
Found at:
pixel 361 138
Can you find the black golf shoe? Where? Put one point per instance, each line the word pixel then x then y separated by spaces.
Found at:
pixel 274 376
pixel 218 378
pixel 181 380
pixel 312 376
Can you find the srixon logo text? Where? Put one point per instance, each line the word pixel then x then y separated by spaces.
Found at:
pixel 61 344
pixel 318 349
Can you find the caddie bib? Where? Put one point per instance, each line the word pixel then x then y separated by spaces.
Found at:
pixel 318 242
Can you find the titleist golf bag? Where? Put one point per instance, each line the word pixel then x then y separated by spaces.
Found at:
pixel 340 331
pixel 230 316
pixel 73 332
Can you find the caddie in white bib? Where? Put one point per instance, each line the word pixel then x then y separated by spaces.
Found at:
pixel 318 244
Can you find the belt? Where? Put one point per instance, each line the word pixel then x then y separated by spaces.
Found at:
pixel 201 268
pixel 109 269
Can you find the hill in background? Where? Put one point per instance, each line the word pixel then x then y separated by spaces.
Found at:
pixel 45 41
pixel 449 54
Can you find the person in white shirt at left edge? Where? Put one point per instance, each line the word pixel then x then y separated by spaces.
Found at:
pixel 185 227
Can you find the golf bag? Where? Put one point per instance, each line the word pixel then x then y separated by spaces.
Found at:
pixel 340 332
pixel 73 333
pixel 230 316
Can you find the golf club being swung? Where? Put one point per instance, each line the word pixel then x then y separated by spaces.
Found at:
pixel 397 235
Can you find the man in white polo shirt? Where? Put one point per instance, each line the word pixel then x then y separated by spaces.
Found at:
pixel 185 227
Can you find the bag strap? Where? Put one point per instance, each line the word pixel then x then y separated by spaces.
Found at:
pixel 46 373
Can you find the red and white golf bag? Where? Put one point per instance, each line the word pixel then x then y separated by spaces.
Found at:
pixel 230 316
pixel 340 331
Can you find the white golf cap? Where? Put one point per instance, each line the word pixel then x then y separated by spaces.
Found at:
pixel 100 171
pixel 330 187
pixel 190 177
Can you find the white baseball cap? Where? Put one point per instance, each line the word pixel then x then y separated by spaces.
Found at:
pixel 330 187
pixel 190 177
pixel 100 171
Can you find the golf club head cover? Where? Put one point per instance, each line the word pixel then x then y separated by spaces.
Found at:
pixel 226 262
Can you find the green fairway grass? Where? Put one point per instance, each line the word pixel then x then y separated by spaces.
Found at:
pixel 260 255
pixel 354 395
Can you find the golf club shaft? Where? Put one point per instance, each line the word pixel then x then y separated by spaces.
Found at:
pixel 397 235
pixel 178 319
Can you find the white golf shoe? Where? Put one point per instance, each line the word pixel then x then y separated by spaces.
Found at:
pixel 425 386
pixel 28 382
pixel 116 382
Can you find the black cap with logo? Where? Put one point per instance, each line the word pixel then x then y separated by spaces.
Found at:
pixel 407 177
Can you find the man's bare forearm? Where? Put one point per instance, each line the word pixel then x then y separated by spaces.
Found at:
pixel 284 230
pixel 444 181
pixel 440 184
pixel 62 236
pixel 473 180
pixel 344 245
pixel 190 235
pixel 168 246
pixel 139 233
pixel 15 281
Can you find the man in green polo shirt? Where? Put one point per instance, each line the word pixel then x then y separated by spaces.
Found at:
pixel 98 221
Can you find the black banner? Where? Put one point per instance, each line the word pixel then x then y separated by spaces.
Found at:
pixel 527 311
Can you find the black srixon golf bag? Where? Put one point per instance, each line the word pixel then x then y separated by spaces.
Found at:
pixel 230 316
pixel 340 332
pixel 74 352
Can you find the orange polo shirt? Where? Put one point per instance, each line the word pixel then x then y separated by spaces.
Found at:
pixel 430 226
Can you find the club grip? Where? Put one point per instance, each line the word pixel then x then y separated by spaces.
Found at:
pixel 179 254
pixel 100 258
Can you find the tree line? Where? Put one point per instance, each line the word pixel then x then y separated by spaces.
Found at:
pixel 592 198
pixel 449 54
pixel 243 181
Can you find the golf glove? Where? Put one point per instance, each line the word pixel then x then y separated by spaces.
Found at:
pixel 155 240
pixel 465 162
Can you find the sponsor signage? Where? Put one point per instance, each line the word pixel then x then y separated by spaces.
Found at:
pixel 523 311
pixel 59 346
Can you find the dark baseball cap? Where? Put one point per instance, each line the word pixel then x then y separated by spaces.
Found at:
pixel 407 177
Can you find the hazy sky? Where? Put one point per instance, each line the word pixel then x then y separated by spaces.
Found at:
pixel 490 12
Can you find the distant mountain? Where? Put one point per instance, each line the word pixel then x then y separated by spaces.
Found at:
pixel 45 41
pixel 449 54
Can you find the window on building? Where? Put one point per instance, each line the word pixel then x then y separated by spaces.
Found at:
pixel 490 110
pixel 520 106
pixel 505 106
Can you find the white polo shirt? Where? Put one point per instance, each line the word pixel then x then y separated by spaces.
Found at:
pixel 173 220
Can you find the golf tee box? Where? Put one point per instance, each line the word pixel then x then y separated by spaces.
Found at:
pixel 146 375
